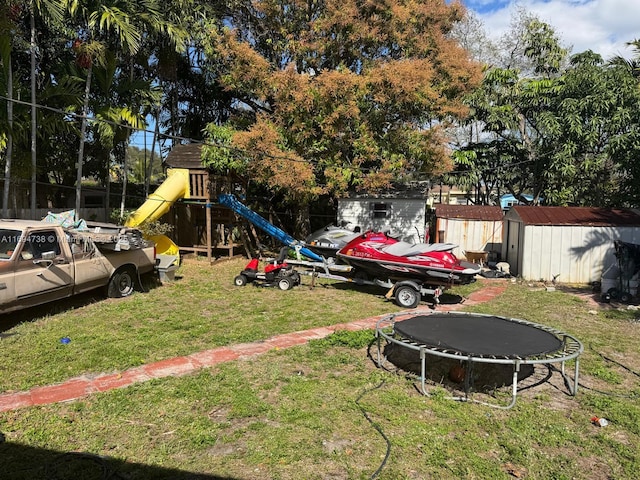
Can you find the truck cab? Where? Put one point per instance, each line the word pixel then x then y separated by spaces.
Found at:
pixel 41 262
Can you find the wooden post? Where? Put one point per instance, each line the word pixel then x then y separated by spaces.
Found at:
pixel 208 223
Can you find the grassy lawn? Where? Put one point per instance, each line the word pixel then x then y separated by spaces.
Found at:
pixel 319 411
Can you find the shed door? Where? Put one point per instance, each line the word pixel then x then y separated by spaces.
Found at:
pixel 513 246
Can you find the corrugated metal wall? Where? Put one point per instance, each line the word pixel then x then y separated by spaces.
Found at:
pixel 575 254
pixel 472 235
pixel 406 217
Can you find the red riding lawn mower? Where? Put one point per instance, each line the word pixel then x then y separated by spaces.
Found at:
pixel 277 273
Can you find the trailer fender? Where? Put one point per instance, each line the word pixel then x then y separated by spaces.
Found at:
pixel 415 285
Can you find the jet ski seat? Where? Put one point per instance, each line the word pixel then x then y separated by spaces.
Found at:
pixel 406 249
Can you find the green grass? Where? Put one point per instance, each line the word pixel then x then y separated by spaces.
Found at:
pixel 309 412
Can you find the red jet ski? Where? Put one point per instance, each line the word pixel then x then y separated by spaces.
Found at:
pixel 379 256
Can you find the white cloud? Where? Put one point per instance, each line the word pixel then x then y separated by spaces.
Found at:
pixel 604 26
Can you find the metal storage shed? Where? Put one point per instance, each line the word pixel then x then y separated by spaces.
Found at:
pixel 475 228
pixel 572 244
pixel 404 215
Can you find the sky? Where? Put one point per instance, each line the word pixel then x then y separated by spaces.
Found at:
pixel 604 26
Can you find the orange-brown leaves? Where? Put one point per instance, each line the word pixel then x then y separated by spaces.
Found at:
pixel 354 93
pixel 245 70
pixel 274 165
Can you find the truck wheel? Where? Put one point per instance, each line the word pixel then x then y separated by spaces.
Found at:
pixel 240 281
pixel 407 297
pixel 122 283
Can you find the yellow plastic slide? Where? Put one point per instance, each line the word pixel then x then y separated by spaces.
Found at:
pixel 175 187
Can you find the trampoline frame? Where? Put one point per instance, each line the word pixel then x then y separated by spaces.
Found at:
pixel 570 350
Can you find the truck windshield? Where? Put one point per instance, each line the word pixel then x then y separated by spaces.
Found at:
pixel 8 241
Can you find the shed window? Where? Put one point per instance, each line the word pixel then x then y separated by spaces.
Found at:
pixel 380 210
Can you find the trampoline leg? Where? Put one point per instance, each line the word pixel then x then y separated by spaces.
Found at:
pixel 379 352
pixel 514 387
pixel 423 371
pixel 467 378
pixel 573 386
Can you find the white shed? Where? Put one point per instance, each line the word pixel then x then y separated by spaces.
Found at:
pixel 474 228
pixel 405 217
pixel 574 244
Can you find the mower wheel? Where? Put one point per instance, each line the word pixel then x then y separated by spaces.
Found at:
pixel 285 283
pixel 614 293
pixel 240 281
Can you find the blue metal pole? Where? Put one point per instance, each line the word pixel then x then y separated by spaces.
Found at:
pixel 230 201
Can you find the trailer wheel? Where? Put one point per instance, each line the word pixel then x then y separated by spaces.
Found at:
pixel 122 283
pixel 284 283
pixel 407 297
pixel 240 281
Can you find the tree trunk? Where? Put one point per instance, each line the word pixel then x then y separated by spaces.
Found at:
pixel 302 220
pixel 34 124
pixel 107 199
pixel 7 165
pixel 156 133
pixel 125 166
pixel 83 130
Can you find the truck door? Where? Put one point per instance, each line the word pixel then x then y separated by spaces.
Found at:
pixel 44 272
pixel 8 242
pixel 91 267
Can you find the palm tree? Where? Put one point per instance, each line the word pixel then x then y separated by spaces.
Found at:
pixel 116 27
pixel 6 22
pixel 51 11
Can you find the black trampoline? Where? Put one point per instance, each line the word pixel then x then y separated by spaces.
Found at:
pixel 478 338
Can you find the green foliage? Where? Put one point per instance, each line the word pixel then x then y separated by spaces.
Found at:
pixel 219 154
pixel 606 374
pixel 558 130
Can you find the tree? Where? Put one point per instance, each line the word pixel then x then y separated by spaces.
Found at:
pixel 513 148
pixel 107 32
pixel 565 131
pixel 50 11
pixel 51 89
pixel 332 96
pixel 471 35
pixel 7 25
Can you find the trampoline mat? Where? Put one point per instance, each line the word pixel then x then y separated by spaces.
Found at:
pixel 478 335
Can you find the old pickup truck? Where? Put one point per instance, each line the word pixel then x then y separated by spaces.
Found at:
pixel 41 262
